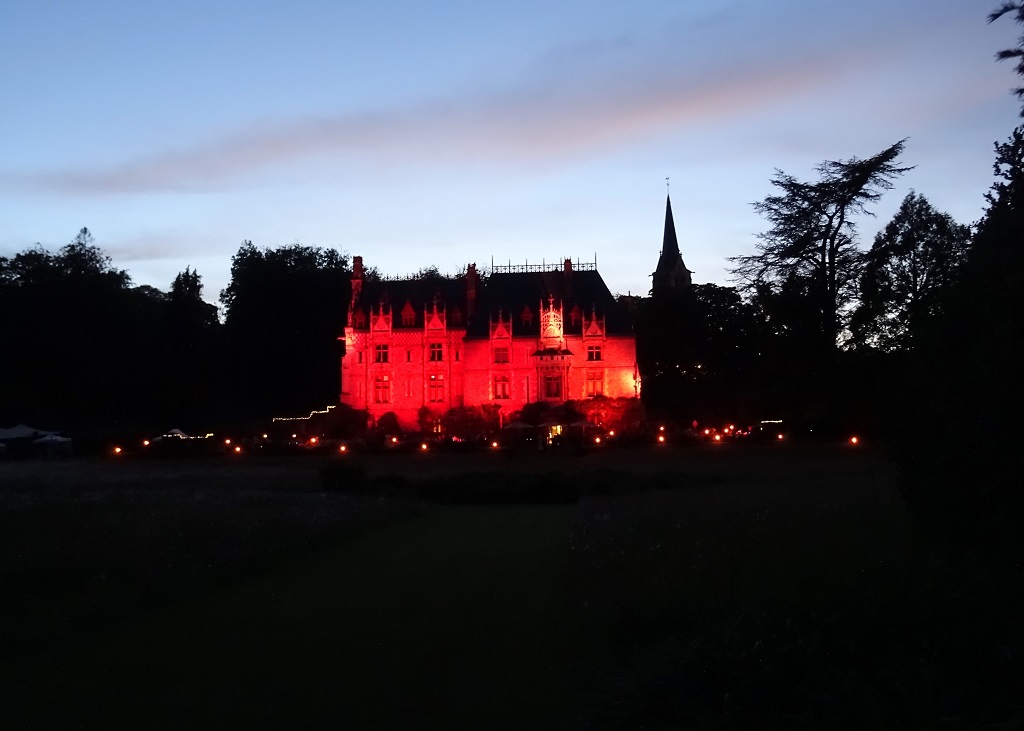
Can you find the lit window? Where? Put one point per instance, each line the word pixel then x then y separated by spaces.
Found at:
pixel 501 387
pixel 436 352
pixel 594 352
pixel 595 383
pixel 381 354
pixel 501 355
pixel 435 391
pixel 382 390
pixel 552 387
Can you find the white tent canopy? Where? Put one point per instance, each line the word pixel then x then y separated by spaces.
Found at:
pixel 21 431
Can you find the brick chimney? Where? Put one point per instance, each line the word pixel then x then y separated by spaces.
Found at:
pixel 472 285
pixel 567 277
pixel 357 285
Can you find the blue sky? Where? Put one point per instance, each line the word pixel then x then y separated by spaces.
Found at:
pixel 417 134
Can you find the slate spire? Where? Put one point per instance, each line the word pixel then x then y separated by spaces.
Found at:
pixel 671 275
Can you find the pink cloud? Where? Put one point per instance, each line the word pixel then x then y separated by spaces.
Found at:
pixel 549 121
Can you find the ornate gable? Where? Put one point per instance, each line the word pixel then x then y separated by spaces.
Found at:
pixel 434 318
pixel 381 319
pixel 551 331
pixel 594 327
pixel 500 328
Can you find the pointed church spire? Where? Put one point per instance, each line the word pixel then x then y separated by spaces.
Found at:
pixel 669 245
pixel 671 275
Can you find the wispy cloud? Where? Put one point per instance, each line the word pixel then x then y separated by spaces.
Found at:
pixel 547 121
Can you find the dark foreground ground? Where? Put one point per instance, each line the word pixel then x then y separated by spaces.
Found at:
pixel 778 586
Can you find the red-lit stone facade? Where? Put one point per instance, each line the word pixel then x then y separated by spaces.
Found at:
pixel 521 334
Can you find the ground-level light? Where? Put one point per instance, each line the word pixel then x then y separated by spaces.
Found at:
pixel 342 448
pixel 854 440
pixel 494 445
pixel 238 450
pixel 117 450
pixel 661 439
pixel 779 437
pixel 145 442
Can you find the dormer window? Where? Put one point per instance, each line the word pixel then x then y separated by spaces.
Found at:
pixel 359 319
pixel 574 316
pixel 526 316
pixel 408 315
pixel 456 316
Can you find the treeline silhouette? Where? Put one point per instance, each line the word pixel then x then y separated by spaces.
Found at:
pixel 87 350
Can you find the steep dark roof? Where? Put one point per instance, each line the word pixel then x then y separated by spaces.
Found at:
pixel 420 293
pixel 512 292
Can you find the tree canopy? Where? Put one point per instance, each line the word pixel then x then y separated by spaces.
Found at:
pixel 812 232
pixel 913 260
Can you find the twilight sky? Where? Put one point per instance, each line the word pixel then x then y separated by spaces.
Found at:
pixel 428 133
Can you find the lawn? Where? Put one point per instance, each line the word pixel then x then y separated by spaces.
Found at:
pixel 688 588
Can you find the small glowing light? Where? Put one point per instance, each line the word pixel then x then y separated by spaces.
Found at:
pixel 423 446
pixel 313 440
pixel 854 440
pixel 117 450
pixel 342 448
pixel 661 439
pixel 597 440
pixel 394 440
pixel 227 441
pixel 661 428
pixel 707 432
pixel 145 442
pixel 494 445
pixel 238 450
pixel 779 437
pixel 264 436
pixel 718 437
pixel 611 433
pixel 295 436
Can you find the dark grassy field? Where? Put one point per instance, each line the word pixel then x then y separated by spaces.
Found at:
pixel 780 586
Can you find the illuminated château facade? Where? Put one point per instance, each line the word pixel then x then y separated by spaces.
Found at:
pixel 521 334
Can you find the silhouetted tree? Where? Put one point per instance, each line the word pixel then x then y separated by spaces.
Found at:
pixel 967 386
pixel 71 327
pixel 813 233
pixel 192 354
pixel 909 265
pixel 284 311
pixel 1017 10
pixel 696 350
